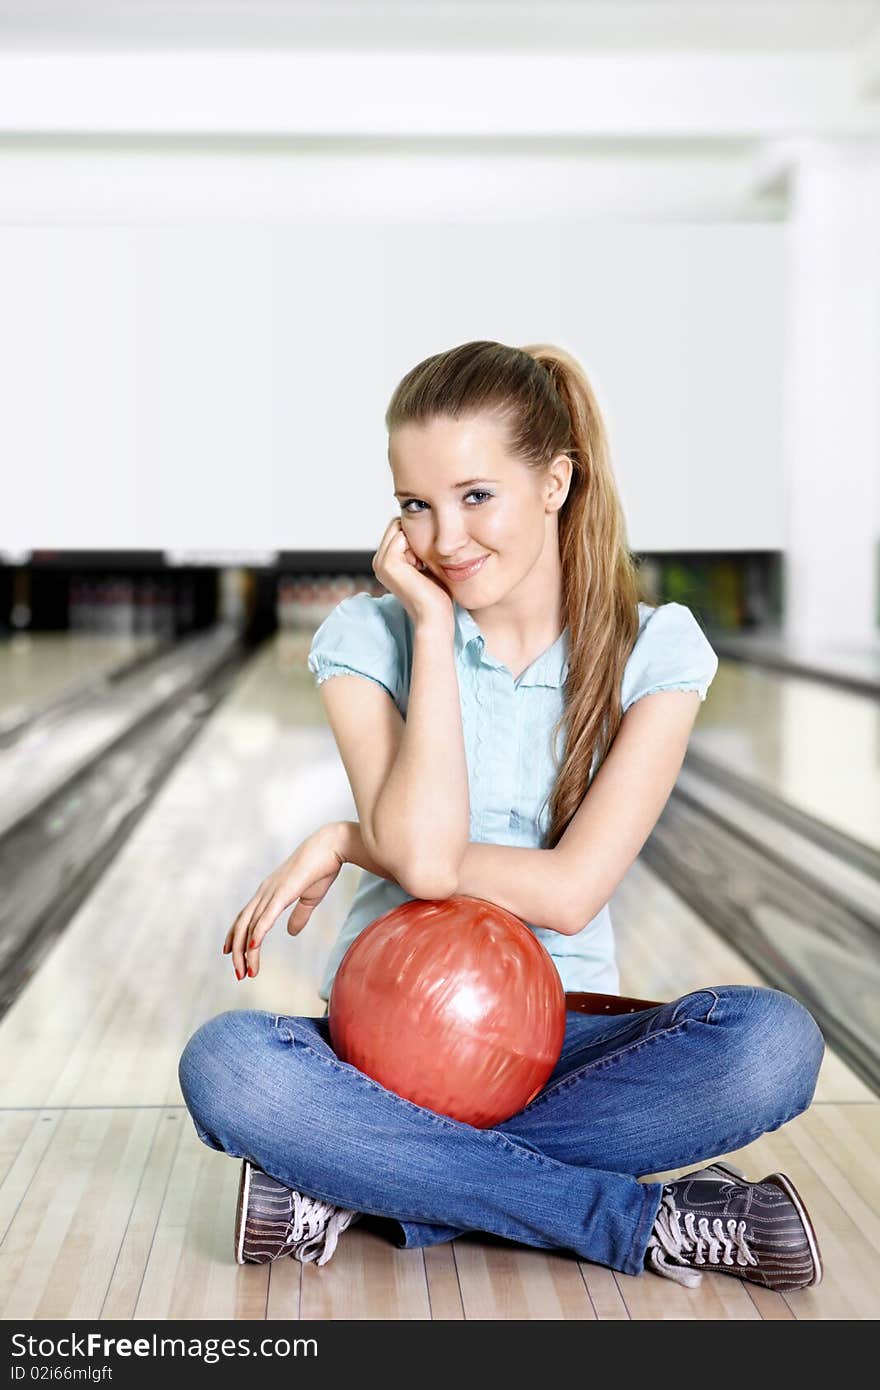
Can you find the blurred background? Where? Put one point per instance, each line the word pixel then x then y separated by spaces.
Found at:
pixel 227 229
pixel 220 221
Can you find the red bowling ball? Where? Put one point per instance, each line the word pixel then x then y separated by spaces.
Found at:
pixel 453 1004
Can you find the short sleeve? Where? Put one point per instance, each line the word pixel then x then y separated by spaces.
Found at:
pixel 356 638
pixel 671 653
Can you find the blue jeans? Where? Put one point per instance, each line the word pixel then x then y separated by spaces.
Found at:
pixel 631 1094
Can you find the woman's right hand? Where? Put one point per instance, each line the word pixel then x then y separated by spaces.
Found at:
pixel 306 875
pixel 397 567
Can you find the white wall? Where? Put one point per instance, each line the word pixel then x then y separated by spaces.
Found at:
pixel 225 386
pixel 831 397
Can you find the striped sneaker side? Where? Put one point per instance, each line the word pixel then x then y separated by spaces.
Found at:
pixel 713 1220
pixel 272 1220
pixel 262 1217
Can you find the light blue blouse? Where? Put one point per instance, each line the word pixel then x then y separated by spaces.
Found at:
pixel 507 725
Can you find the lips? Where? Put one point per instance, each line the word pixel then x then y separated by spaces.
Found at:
pixel 464 571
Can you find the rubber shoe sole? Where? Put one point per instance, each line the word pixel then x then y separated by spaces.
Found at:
pixel 244 1189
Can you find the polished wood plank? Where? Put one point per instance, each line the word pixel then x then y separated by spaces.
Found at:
pixel 62 1245
pixel 444 1289
pixel 368 1277
pixel 770 1304
pixel 120 1300
pixel 191 1272
pixel 719 1299
pixel 285 1286
pixel 850 1136
pixel 505 1281
pixel 24 1137
pixel 604 1292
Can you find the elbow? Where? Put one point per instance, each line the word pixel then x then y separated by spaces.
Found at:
pixel 431 883
pixel 570 921
pixel 578 920
pixel 575 903
pixel 419 871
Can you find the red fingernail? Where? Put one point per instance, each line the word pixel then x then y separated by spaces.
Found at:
pixel 250 972
pixel 237 976
pixel 253 946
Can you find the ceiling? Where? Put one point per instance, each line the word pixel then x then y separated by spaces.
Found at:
pixel 646 26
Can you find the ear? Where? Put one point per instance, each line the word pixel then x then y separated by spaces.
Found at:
pixel 558 482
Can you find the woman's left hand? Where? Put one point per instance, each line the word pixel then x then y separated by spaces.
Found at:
pixel 306 874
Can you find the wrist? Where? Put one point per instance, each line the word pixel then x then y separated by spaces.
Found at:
pixel 435 626
pixel 340 836
pixel 349 846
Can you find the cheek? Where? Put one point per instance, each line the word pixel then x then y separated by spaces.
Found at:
pixel 503 529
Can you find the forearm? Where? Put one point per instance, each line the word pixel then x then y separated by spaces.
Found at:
pixel 525 881
pixel 421 818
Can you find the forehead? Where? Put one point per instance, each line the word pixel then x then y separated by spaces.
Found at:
pixel 444 443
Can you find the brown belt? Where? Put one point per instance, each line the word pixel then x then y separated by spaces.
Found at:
pixel 595 1004
pixel 607 1004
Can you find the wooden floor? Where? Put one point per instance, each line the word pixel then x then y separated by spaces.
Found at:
pixel 111 1208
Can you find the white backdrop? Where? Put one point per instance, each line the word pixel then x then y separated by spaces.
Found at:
pixel 225 386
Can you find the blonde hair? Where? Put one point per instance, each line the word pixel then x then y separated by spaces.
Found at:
pixel 543 398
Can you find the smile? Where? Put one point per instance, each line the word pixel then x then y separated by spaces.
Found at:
pixel 464 571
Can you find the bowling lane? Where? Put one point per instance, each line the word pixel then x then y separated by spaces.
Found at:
pixel 856 666
pixel 37 759
pixel 105 1016
pixel 36 669
pixel 811 744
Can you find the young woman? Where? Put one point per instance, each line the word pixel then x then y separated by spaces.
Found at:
pixel 513 614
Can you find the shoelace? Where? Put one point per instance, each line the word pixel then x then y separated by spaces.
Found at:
pixel 696 1242
pixel 315 1227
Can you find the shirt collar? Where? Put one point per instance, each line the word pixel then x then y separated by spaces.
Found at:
pixel 550 668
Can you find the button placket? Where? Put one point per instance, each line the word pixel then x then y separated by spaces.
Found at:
pixel 502 760
pixel 519 760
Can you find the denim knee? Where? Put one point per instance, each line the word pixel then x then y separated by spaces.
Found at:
pixel 777 1052
pixel 218 1062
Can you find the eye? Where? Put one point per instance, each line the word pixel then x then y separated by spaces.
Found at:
pixel 474 492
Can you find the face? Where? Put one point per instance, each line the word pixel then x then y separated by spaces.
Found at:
pixel 463 496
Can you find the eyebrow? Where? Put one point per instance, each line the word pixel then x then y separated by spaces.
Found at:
pixel 468 483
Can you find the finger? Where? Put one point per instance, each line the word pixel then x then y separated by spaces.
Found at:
pixel 230 935
pixel 305 907
pixel 397 551
pixel 262 924
pixel 243 925
pixel 229 939
pixel 387 534
pixel 299 917
pixel 382 549
pixel 393 535
pixel 259 927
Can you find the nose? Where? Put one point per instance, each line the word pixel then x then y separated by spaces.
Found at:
pixel 451 543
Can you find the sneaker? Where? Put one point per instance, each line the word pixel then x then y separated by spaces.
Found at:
pixel 272 1220
pixel 715 1219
